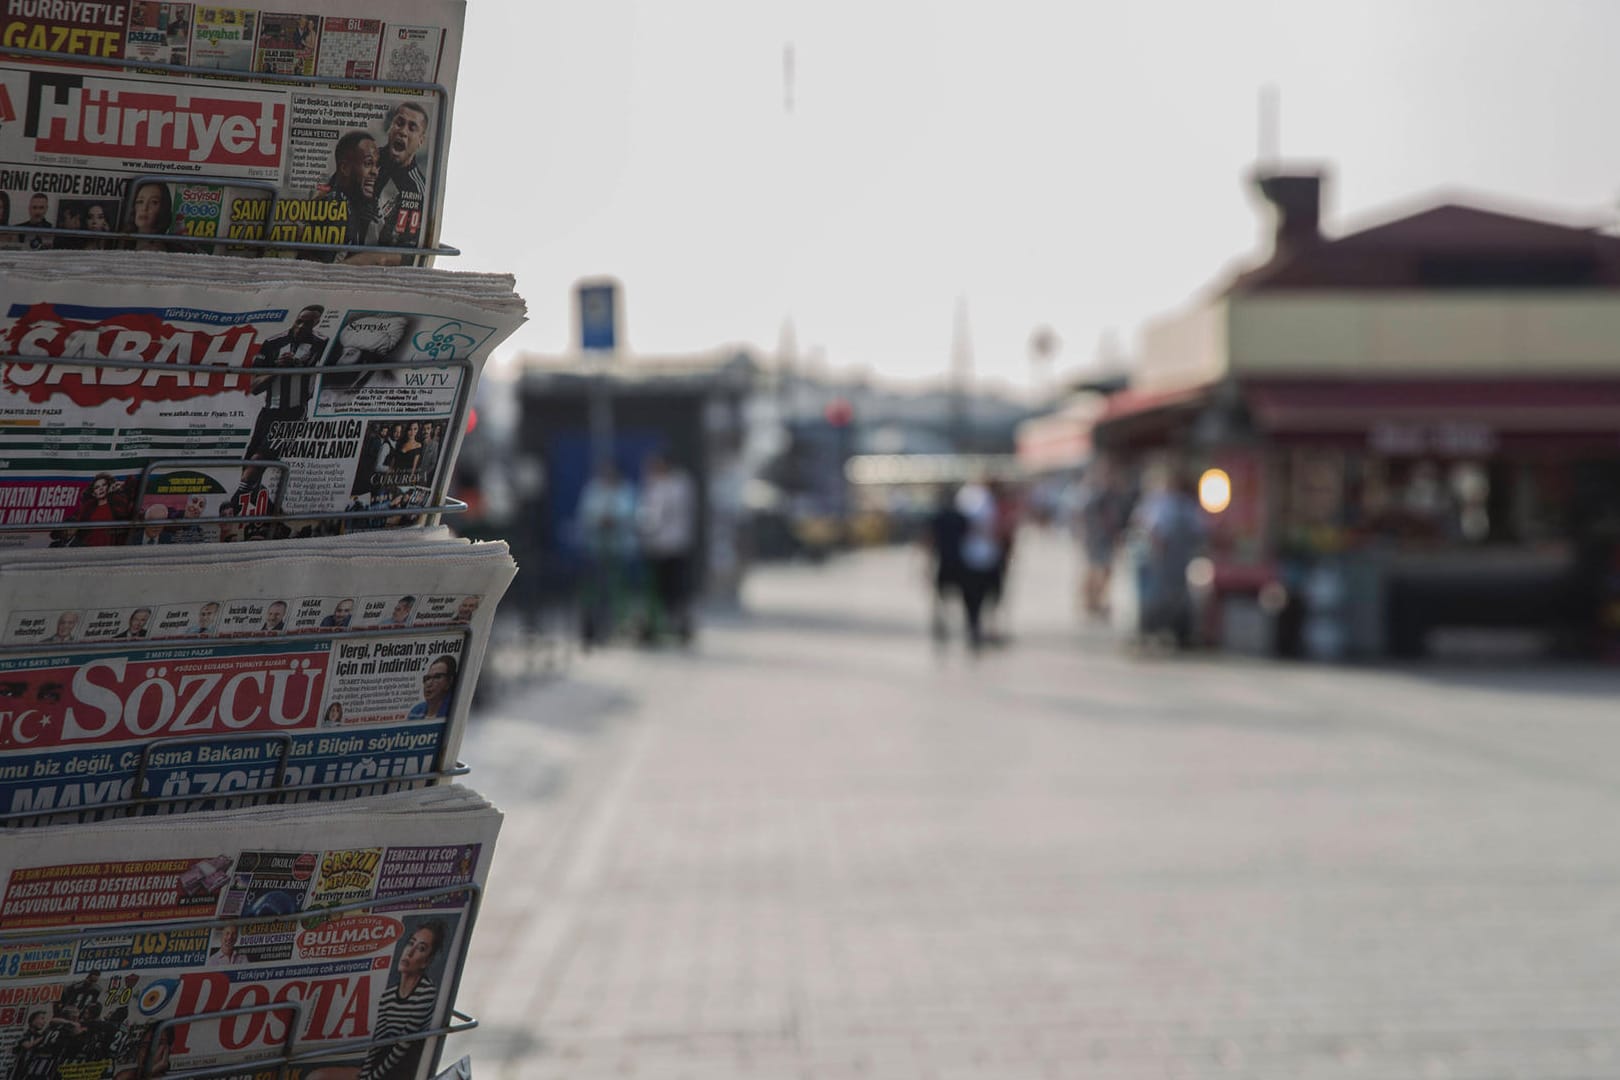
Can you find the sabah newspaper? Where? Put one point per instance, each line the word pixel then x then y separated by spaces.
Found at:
pixel 310 125
pixel 240 940
pixel 135 390
pixel 299 670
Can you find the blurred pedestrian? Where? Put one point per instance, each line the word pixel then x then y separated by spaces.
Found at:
pixel 667 519
pixel 1172 524
pixel 1008 512
pixel 607 533
pixel 1100 518
pixel 947 528
pixel 981 553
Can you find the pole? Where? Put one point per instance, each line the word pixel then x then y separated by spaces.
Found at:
pixel 600 417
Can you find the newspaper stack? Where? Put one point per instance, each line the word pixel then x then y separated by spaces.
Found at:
pixel 173 126
pixel 329 936
pixel 154 409
pixel 185 678
pixel 221 399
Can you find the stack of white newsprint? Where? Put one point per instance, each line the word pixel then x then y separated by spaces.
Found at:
pixel 236 649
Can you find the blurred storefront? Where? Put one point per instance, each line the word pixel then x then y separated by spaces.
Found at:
pixel 578 413
pixel 1416 428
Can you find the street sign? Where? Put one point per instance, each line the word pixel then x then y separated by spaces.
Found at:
pixel 598 315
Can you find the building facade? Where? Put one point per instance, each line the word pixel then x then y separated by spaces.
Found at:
pixel 1419 423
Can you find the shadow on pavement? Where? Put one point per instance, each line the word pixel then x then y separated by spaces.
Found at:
pixel 818 622
pixel 1528 677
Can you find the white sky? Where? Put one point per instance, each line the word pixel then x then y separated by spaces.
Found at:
pixel 1053 162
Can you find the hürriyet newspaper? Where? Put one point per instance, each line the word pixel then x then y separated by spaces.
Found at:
pixel 222 149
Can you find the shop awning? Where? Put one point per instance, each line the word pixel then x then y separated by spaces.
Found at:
pixel 1134 418
pixel 1437 415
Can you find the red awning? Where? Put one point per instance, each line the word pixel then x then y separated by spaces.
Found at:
pixel 1138 417
pixel 1418 415
pixel 1054 445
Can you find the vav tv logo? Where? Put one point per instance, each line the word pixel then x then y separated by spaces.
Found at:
pixel 444 343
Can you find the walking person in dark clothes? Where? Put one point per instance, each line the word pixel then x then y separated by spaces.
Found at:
pixel 1007 513
pixel 981 553
pixel 946 530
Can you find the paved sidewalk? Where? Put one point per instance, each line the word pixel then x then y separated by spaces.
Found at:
pixel 817 849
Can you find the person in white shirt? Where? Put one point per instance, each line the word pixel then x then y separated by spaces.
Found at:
pixel 980 552
pixel 607 525
pixel 1173 524
pixel 667 521
pixel 226 954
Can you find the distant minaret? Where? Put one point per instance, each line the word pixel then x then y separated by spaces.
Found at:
pixel 961 379
pixel 787 366
pixel 1043 349
pixel 1270 148
pixel 789 72
pixel 787 343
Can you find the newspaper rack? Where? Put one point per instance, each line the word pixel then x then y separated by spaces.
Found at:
pixel 457 1023
pixel 436 90
pixel 267 794
pixel 427 247
pixel 427 515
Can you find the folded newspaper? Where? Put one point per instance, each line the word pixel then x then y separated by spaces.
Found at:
pixel 461 1070
pixel 330 936
pixel 169 391
pixel 177 679
pixel 158 121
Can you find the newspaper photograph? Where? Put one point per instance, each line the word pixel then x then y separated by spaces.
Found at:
pixel 82 445
pixel 226 150
pixel 158 33
pixel 116 944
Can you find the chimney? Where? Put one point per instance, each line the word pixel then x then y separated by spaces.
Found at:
pixel 1297 199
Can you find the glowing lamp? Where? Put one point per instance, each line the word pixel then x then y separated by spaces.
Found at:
pixel 1214 491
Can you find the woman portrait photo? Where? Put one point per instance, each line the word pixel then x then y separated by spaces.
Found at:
pixel 151 213
pixel 96 220
pixel 104 500
pixel 405 1008
pixel 334 715
pixel 407 455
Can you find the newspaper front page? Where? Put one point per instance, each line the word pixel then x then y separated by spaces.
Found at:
pixel 111 938
pixel 226 149
pixel 200 683
pixel 84 445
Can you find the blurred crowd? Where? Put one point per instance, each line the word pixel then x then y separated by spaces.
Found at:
pixel 1152 530
pixel 639 544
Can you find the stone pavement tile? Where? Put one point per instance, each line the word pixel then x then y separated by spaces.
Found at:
pixel 816 848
